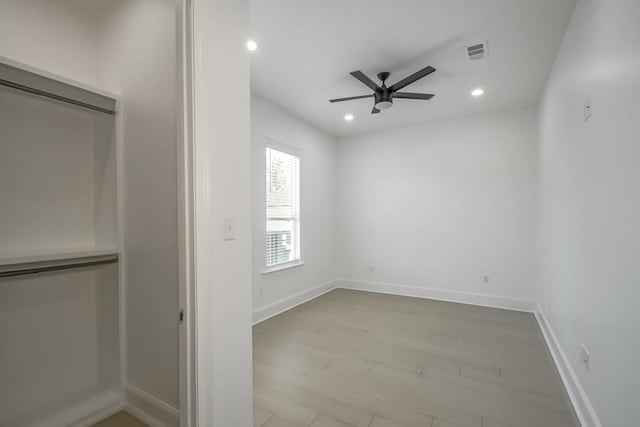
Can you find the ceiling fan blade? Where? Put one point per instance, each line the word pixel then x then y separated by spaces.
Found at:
pixel 408 95
pixel 350 98
pixel 412 78
pixel 375 111
pixel 366 80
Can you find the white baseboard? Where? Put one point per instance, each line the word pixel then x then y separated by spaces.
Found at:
pixel 582 405
pixel 150 409
pixel 263 313
pixel 100 415
pixel 484 300
pixel 86 412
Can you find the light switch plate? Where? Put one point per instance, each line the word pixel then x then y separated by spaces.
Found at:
pixel 229 228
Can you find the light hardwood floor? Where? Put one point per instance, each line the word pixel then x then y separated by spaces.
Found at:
pixel 362 359
pixel 121 419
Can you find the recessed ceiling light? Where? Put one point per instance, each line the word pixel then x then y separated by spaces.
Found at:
pixel 349 117
pixel 477 92
pixel 251 45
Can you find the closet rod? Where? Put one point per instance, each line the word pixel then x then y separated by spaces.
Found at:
pixel 50 95
pixel 37 270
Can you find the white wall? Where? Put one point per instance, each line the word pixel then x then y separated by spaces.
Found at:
pixel 441 205
pixel 222 180
pixel 318 151
pixel 47 174
pixel 127 47
pixel 51 35
pixel 589 203
pixel 138 61
pixel 51 325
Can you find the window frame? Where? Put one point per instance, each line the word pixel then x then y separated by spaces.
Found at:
pixel 292 151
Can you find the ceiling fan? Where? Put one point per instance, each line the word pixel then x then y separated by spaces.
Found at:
pixel 383 96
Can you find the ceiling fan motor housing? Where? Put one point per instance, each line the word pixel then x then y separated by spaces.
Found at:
pixel 384 99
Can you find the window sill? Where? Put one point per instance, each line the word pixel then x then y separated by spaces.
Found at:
pixel 280 267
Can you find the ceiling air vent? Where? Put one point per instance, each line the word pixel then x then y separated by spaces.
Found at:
pixel 477 51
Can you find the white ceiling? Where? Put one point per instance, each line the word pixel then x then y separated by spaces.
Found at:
pixel 308 47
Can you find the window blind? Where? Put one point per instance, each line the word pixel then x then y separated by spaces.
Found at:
pixel 282 207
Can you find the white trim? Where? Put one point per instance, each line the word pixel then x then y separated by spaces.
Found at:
pixel 280 146
pixel 285 304
pixel 121 241
pixel 186 286
pixel 100 415
pixel 150 409
pixel 582 405
pixel 283 266
pixel 483 300
pixel 83 413
pixel 295 152
pixel 222 188
pixel 53 76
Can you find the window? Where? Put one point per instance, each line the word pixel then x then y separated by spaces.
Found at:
pixel 282 208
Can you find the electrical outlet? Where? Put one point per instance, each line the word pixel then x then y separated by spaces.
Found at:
pixel 486 279
pixel 229 228
pixel 587 109
pixel 585 358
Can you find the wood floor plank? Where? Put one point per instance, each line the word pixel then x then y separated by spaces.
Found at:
pixel 383 422
pixel 317 401
pixel 276 421
pixel 438 422
pixel 364 359
pixel 121 419
pixel 260 416
pixel 327 421
pixel 323 382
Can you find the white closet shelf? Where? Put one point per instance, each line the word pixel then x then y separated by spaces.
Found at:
pixel 19 263
pixel 39 82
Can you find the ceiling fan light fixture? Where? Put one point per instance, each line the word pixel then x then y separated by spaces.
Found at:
pixel 477 92
pixel 349 117
pixel 384 105
pixel 383 100
pixel 252 45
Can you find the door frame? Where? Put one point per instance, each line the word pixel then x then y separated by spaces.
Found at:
pixel 214 185
pixel 184 153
